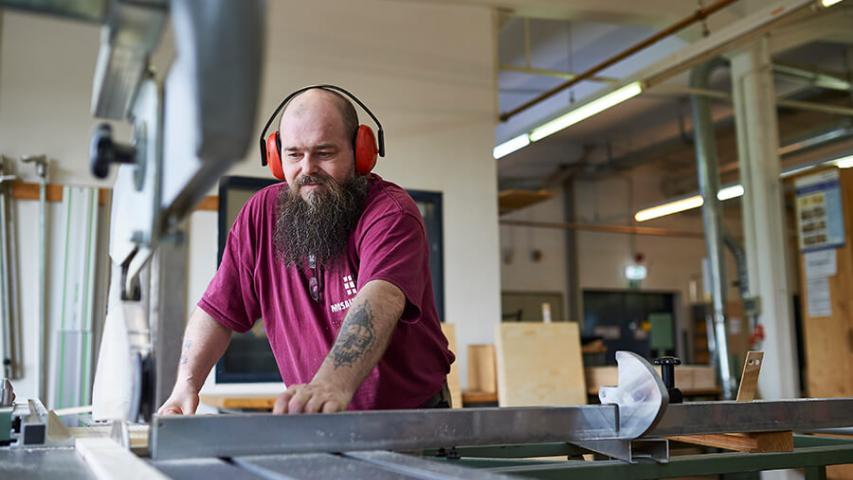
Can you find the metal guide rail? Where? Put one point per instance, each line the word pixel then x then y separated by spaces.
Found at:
pixel 631 427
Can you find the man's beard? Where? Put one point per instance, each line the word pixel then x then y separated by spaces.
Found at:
pixel 321 225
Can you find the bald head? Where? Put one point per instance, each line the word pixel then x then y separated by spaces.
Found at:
pixel 321 102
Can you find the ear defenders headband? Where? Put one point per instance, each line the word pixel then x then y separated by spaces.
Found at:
pixel 364 143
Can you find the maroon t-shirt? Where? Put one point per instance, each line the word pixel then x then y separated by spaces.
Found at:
pixel 388 243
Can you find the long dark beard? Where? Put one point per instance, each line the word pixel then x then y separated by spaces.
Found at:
pixel 320 226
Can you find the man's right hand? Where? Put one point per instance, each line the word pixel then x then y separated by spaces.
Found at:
pixel 182 401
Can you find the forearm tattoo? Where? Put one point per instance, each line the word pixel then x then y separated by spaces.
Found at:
pixel 186 350
pixel 357 336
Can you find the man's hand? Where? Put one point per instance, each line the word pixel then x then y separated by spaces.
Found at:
pixel 315 397
pixel 182 401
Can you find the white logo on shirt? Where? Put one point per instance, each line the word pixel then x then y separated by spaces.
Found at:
pixel 349 285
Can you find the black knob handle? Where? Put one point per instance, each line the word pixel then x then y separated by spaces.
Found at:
pixel 103 151
pixel 667 370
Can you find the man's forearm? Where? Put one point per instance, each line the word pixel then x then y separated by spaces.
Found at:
pixel 205 340
pixel 364 335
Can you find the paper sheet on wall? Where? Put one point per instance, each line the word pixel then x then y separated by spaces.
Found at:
pixel 819 304
pixel 820 264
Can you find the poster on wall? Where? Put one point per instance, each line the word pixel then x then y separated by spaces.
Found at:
pixel 820 220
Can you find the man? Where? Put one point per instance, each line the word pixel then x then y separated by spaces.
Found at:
pixel 336 264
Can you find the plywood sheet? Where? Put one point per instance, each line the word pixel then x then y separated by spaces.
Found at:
pixel 690 379
pixel 453 382
pixel 539 364
pixel 829 340
pixel 482 371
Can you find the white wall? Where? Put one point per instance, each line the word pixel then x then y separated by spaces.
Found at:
pixel 672 262
pixel 426 70
pixel 519 272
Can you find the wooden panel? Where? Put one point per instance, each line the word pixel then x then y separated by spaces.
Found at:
pixel 237 402
pixel 743 442
pixel 453 382
pixel 749 377
pixel 30 191
pixel 690 379
pixel 829 340
pixel 509 200
pixel 482 373
pixel 539 364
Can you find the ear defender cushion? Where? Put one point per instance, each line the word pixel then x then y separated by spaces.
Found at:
pixel 274 155
pixel 365 150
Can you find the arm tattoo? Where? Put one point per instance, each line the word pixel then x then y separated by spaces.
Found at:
pixel 357 336
pixel 185 354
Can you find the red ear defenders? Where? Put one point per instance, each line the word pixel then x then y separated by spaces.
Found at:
pixel 364 143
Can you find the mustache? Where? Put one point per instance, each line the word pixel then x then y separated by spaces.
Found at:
pixel 312 180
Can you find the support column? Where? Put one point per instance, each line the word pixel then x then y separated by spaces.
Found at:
pixel 763 215
pixel 573 300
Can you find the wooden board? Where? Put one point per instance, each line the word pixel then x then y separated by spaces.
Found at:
pixel 828 340
pixel 106 459
pixel 238 402
pixel 539 364
pixel 482 371
pixel 742 442
pixel 749 377
pixel 690 379
pixel 453 382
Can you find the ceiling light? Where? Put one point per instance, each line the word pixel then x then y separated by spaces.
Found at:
pixel 828 3
pixel 727 193
pixel 669 208
pixel 511 145
pixel 843 162
pixel 586 110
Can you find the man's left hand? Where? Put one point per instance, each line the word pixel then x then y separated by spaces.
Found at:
pixel 314 397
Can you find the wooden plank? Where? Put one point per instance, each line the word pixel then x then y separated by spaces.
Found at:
pixel 482 371
pixel 108 459
pixel 473 397
pixel 453 382
pixel 749 377
pixel 742 442
pixel 237 402
pixel 690 379
pixel 30 191
pixel 828 341
pixel 539 364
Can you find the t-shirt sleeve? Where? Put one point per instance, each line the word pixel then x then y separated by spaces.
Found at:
pixel 230 297
pixel 394 248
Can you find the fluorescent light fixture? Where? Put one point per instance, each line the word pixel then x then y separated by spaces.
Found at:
pixel 728 193
pixel 669 208
pixel 586 110
pixel 828 3
pixel 725 193
pixel 511 145
pixel 689 203
pixel 843 162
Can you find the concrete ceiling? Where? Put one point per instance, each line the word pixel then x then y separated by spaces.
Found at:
pixel 635 128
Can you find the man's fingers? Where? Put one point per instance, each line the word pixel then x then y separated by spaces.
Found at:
pixel 314 404
pixel 170 410
pixel 280 405
pixel 331 407
pixel 298 401
pixel 188 408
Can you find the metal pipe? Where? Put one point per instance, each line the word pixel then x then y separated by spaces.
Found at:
pixel 750 306
pixel 5 275
pixel 709 185
pixel 725 96
pixel 816 79
pixel 618 229
pixel 40 162
pixel 547 72
pixel 587 74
